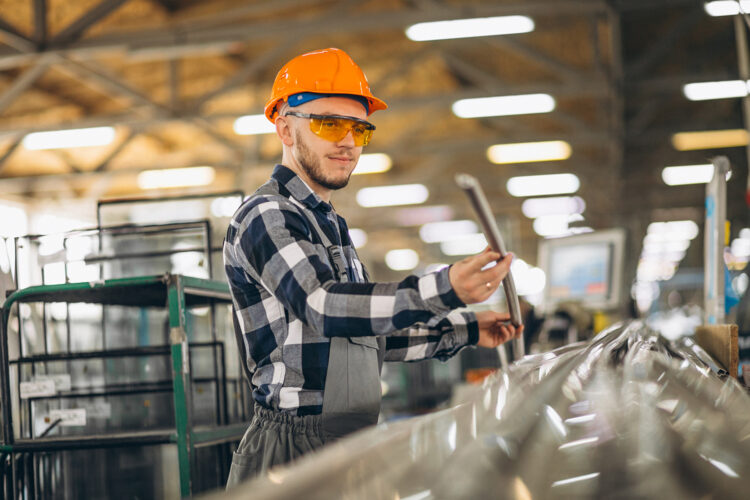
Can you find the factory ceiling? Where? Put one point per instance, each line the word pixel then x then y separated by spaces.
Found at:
pixel 172 76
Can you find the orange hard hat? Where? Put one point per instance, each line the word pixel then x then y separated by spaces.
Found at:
pixel 327 71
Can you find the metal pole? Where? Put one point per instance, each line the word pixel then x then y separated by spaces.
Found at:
pixel 743 61
pixel 181 378
pixel 482 208
pixel 716 214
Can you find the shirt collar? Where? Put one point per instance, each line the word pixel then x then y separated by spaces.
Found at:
pixel 299 188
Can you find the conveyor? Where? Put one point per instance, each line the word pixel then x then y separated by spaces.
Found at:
pixel 626 415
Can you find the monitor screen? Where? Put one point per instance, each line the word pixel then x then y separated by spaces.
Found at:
pixel 585 268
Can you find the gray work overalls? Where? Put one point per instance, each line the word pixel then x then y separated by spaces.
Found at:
pixel 351 396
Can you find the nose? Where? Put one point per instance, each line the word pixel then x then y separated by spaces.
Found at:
pixel 348 140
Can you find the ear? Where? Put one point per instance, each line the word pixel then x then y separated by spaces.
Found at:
pixel 284 131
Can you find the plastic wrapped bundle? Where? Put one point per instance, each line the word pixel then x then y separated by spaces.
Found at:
pixel 627 415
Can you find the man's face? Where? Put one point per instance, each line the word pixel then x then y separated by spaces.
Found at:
pixel 328 164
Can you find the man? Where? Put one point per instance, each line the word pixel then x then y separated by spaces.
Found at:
pixel 312 329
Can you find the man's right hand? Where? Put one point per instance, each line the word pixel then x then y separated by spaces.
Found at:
pixel 473 285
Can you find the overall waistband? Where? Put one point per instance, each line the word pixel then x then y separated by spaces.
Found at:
pixel 308 423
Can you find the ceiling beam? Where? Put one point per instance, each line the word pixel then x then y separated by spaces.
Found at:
pixel 590 90
pixel 248 70
pixel 104 164
pixel 23 82
pixel 15 39
pixel 40 22
pixel 77 28
pixel 669 40
pixel 220 37
pixel 9 152
pixel 51 182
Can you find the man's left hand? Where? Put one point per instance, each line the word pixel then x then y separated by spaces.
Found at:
pixel 495 328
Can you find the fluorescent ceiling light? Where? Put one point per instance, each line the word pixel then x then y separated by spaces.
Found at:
pixel 467 28
pixel 726 7
pixel 374 163
pixel 542 185
pixel 705 91
pixel 556 205
pixel 551 225
pixel 253 125
pixel 358 237
pixel 72 138
pixel 384 196
pixel 525 104
pixel 653 247
pixel 710 139
pixel 402 259
pixel 176 177
pixel 525 152
pixel 435 232
pixel 672 230
pixel 689 174
pixel 466 245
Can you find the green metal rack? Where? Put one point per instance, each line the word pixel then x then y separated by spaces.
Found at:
pixel 175 292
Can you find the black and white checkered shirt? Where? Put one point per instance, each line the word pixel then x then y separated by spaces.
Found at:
pixel 289 302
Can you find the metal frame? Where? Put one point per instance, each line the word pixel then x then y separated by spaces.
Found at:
pixel 177 292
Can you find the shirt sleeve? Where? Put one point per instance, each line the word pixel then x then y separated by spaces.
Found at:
pixel 442 341
pixel 274 242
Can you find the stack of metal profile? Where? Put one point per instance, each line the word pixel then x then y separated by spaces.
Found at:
pixel 627 415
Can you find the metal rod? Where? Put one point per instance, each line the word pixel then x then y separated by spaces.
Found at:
pixel 716 214
pixel 474 191
pixel 743 60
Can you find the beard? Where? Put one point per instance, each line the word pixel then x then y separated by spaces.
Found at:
pixel 311 165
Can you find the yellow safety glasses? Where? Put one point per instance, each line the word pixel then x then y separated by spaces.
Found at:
pixel 335 127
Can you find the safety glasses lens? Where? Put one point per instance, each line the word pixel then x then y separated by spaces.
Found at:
pixel 335 129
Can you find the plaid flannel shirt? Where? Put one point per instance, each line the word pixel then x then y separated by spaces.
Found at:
pixel 289 303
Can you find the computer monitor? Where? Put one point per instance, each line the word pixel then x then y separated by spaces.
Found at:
pixel 586 268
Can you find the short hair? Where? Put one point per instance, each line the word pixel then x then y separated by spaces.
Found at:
pixel 283 108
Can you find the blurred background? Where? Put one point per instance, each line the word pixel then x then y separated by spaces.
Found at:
pixel 130 131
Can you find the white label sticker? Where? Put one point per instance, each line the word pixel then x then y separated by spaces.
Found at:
pixel 99 410
pixel 61 380
pixel 37 389
pixel 70 417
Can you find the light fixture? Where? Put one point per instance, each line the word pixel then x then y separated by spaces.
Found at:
pixel 726 7
pixel 176 177
pixel 710 139
pixel 689 174
pixel 358 237
pixel 374 163
pixel 525 152
pixel 467 28
pixel 253 125
pixel 525 104
pixel 543 185
pixel 435 232
pixel 384 196
pixel 72 138
pixel 704 91
pixel 556 205
pixel 403 259
pixel 672 230
pixel 464 245
pixel 551 225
